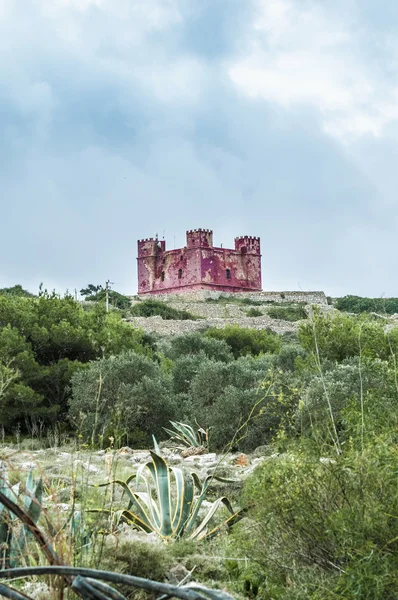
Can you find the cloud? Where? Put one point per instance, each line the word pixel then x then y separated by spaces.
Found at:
pixel 297 53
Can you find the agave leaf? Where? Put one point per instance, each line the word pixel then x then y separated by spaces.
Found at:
pixel 184 433
pixel 131 517
pixel 183 502
pixel 154 512
pixel 156 445
pixel 178 438
pixel 201 531
pixel 237 516
pixel 161 476
pixel 33 497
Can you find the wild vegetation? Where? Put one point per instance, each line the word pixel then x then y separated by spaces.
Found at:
pixel 316 519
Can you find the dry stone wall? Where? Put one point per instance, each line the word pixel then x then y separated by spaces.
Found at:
pixel 315 297
pixel 175 327
pixel 222 313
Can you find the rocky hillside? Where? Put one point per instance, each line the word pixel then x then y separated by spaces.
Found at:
pixel 279 311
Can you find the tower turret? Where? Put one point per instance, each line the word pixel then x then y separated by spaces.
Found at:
pixel 199 238
pixel 247 244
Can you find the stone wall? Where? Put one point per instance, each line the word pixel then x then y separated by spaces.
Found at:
pixel 219 314
pixel 175 327
pixel 314 297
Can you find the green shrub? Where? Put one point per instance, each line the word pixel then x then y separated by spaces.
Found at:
pixel 115 299
pixel 288 313
pixel 45 340
pixel 142 559
pixel 194 343
pixel 287 357
pixel 357 304
pixel 118 395
pixel 362 396
pixel 237 300
pixel 153 308
pixel 254 312
pixel 324 527
pixel 221 398
pixel 337 337
pixel 243 341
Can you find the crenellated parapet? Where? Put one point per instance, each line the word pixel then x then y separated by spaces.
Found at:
pixel 199 238
pixel 247 244
pixel 150 247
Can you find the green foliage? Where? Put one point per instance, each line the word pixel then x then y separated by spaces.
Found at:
pixel 288 313
pixel 245 395
pixel 136 558
pixel 287 358
pixel 90 290
pixel 254 312
pixel 197 344
pixel 16 290
pixel 357 304
pixel 232 299
pixel 115 299
pixel 244 341
pixel 337 337
pixel 363 397
pixel 86 583
pixel 169 506
pixel 44 341
pixel 335 520
pixel 119 395
pixel 13 538
pixel 153 308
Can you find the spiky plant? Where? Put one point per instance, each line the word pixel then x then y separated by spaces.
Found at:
pixel 186 435
pixel 13 538
pixel 171 503
pixel 88 583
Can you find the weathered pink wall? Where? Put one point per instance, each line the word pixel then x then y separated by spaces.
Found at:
pixel 199 265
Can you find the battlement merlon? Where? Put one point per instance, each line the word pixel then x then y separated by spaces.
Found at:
pixel 247 244
pixel 150 247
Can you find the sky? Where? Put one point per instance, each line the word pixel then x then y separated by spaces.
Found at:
pixel 123 119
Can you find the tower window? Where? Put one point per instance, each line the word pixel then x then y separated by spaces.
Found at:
pixel 162 276
pixel 228 273
pixel 182 257
pixel 179 273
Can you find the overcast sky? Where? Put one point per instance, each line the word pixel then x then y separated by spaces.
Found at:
pixel 120 119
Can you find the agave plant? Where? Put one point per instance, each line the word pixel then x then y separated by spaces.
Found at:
pixel 13 539
pixel 185 434
pixel 171 503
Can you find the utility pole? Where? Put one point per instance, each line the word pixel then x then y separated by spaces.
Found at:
pixel 107 284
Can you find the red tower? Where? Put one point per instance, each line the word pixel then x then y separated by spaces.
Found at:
pixel 199 265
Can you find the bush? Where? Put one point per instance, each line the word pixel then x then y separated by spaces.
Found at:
pixel 192 344
pixel 343 386
pixel 115 299
pixel 324 528
pixel 356 304
pixel 153 308
pixel 222 396
pixel 118 395
pixel 287 357
pixel 142 559
pixel 288 313
pixel 342 336
pixel 244 341
pixel 254 312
